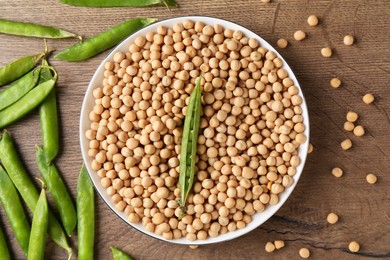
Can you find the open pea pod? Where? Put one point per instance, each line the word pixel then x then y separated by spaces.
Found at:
pixel 103 41
pixel 116 3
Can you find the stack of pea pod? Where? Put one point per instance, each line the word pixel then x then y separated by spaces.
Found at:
pixel 31 84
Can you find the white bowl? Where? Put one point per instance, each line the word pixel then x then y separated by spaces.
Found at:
pixel 258 218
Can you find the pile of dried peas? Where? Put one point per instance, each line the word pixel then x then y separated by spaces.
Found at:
pixel 250 131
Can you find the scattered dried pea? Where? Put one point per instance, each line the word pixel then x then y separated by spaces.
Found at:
pixel 349 126
pixel 368 98
pixel 310 150
pixel 265 1
pixel 352 116
pixel 304 252
pixel 282 43
pixel 332 218
pixel 335 83
pixel 346 144
pixel 337 172
pixel 358 130
pixel 326 52
pixel 354 247
pixel 348 40
pixel 371 178
pixel 312 20
pixel 194 246
pixel 269 247
pixel 279 244
pixel 299 35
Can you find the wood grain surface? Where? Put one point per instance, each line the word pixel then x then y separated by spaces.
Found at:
pixel 364 209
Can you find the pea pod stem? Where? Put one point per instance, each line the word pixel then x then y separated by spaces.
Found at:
pixel 36 250
pixel 119 255
pixel 3 247
pixel 19 88
pixel 27 190
pixel 18 68
pixel 103 41
pixel 58 191
pixel 85 215
pixel 27 103
pixel 49 117
pixel 34 30
pixel 189 145
pixel 119 3
pixel 12 205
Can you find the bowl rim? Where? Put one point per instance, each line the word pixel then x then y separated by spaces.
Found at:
pixel 270 209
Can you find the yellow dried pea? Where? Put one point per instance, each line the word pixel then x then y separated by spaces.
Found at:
pixel 332 218
pixel 371 178
pixel 304 252
pixel 337 172
pixel 193 246
pixel 311 148
pixel 282 43
pixel 326 52
pixel 269 247
pixel 335 82
pixel 279 244
pixel 312 20
pixel 349 126
pixel 358 130
pixel 346 144
pixel 352 116
pixel 354 247
pixel 368 98
pixel 299 35
pixel 348 40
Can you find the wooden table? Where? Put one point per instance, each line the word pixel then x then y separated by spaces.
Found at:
pixel 364 209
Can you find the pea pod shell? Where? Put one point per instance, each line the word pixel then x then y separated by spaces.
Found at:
pixel 19 88
pixel 115 3
pixel 189 143
pixel 12 205
pixel 33 30
pixel 27 190
pixel 36 250
pixel 119 255
pixel 4 252
pixel 103 41
pixel 18 68
pixel 27 103
pixel 58 191
pixel 85 215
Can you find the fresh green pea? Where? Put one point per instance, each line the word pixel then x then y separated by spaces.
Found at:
pixel 18 68
pixel 4 252
pixel 33 30
pixel 119 255
pixel 113 3
pixel 12 205
pixel 27 103
pixel 85 215
pixel 189 144
pixel 103 41
pixel 36 249
pixel 27 190
pixel 58 191
pixel 19 88
pixel 49 118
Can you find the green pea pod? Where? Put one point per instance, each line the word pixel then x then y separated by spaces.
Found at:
pixel 119 255
pixel 33 30
pixel 36 250
pixel 27 190
pixel 189 144
pixel 12 205
pixel 49 118
pixel 4 252
pixel 103 41
pixel 19 88
pixel 18 68
pixel 114 3
pixel 58 191
pixel 27 103
pixel 85 215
